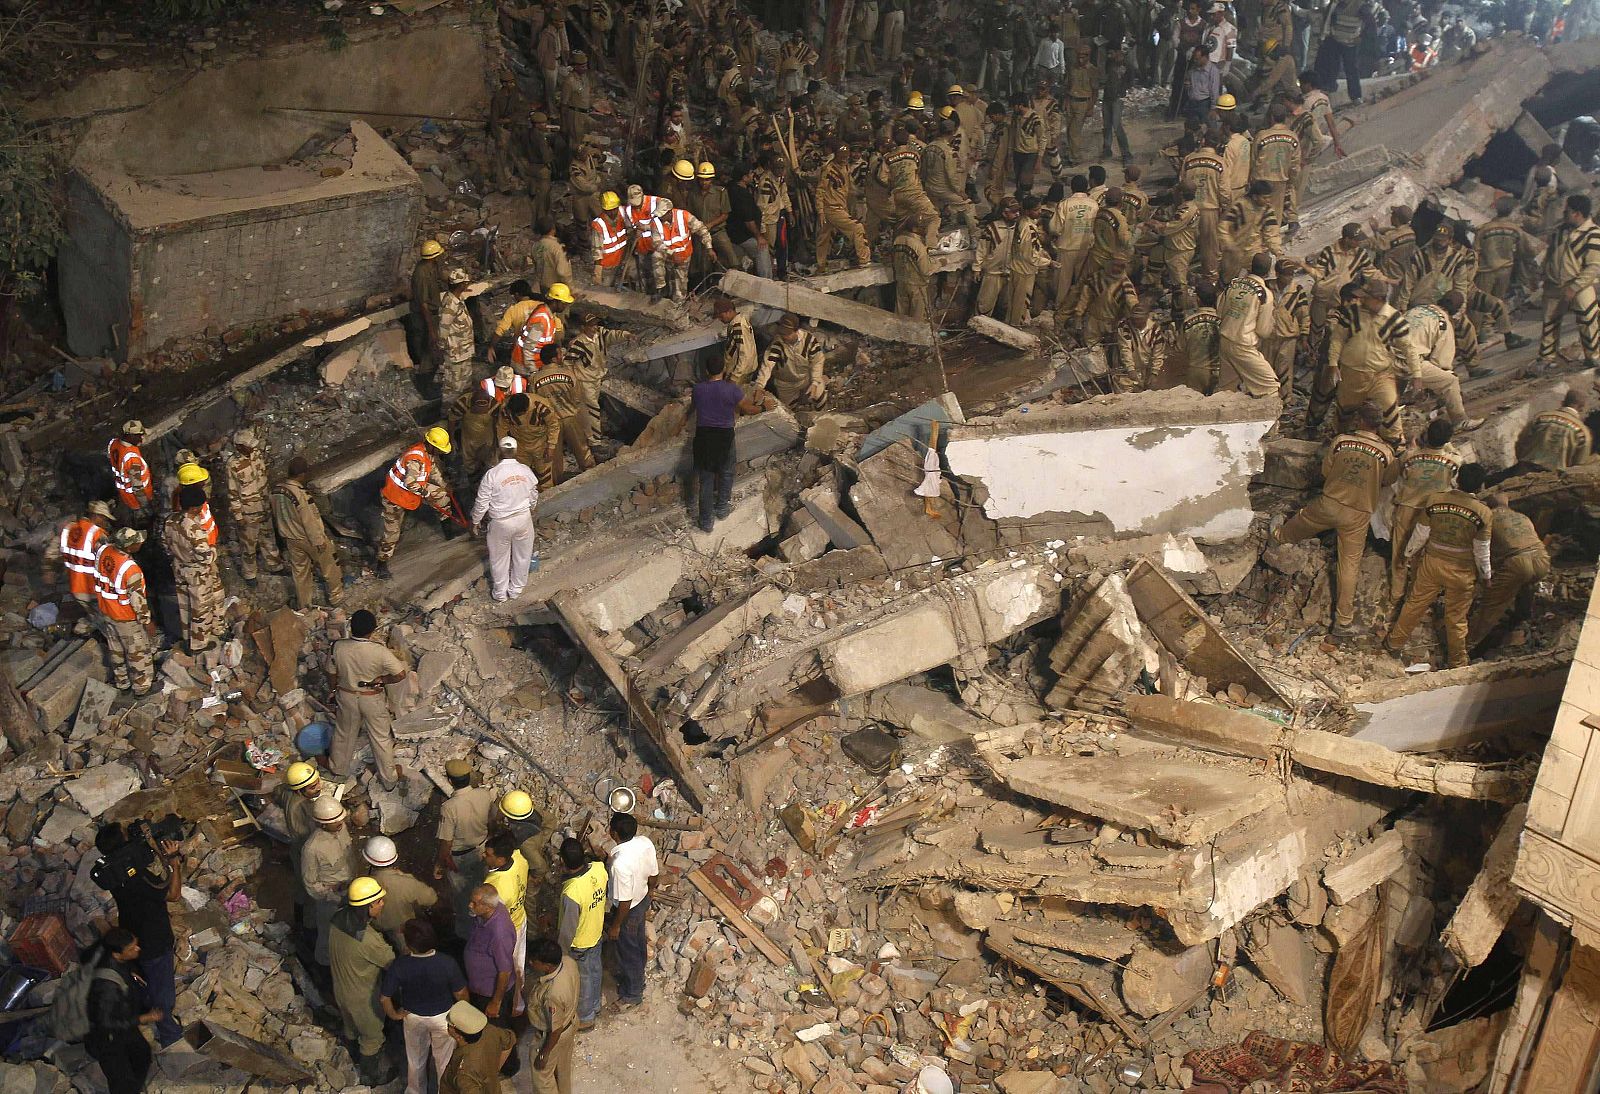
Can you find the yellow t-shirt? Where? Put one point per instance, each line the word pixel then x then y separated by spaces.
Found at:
pixel 512 885
pixel 588 892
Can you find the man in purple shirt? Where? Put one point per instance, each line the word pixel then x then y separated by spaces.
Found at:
pixel 716 403
pixel 490 964
pixel 1203 85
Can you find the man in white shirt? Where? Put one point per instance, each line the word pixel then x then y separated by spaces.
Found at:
pixel 1222 36
pixel 506 496
pixel 1051 57
pixel 633 871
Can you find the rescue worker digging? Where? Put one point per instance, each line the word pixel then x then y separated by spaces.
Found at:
pixel 416 477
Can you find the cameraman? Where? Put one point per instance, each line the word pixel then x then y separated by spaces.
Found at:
pixel 143 879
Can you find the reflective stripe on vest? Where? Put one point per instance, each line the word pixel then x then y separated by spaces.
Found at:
pixel 395 488
pixel 112 571
pixel 537 332
pixel 642 217
pixel 129 472
pixel 676 239
pixel 518 386
pixel 612 241
pixel 81 541
pixel 588 892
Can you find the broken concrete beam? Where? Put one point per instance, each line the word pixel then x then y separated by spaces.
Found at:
pixel 895 517
pixel 635 397
pixel 1154 981
pixel 99 788
pixel 860 318
pixel 1484 911
pixel 1453 708
pixel 1168 461
pixel 1292 464
pixel 55 695
pixel 631 593
pixel 629 307
pixel 922 711
pixel 1365 868
pixel 93 707
pixel 695 338
pixel 834 569
pixel 1535 137
pixel 916 425
pixel 882 273
pixel 247 1054
pixel 1101 648
pixel 1004 333
pixel 704 639
pixel 1241 733
pixel 843 532
pixel 1282 956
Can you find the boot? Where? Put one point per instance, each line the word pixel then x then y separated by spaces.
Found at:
pixel 382 570
pixel 375 1070
pixel 1517 341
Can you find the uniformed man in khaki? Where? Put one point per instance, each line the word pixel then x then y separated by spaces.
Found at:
pixel 992 260
pixel 710 202
pixel 1357 466
pixel 1519 559
pixel 1200 336
pixel 358 954
pixel 793 365
pixel 835 195
pixel 907 198
pixel 944 179
pixel 463 828
pixel 298 796
pixel 362 669
pixel 1394 247
pixel 1029 258
pixel 1113 236
pixel 1072 231
pixel 1452 535
pixel 1572 282
pixel 1249 227
pixel 1429 467
pixel 1100 304
pixel 1083 87
pixel 186 535
pixel 1504 250
pixel 1247 314
pixel 740 362
pixel 250 515
pixel 1443 264
pixel 327 863
pixel 552 993
pixel 408 897
pixel 305 537
pixel 1433 339
pixel 1369 349
pixel 1291 323
pixel 1202 169
pixel 585 356
pixel 457 346
pixel 1275 160
pixel 561 388
pixel 1340 263
pixel 577 98
pixel 912 272
pixel 1556 439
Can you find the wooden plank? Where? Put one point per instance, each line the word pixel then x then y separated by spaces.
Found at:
pixel 1533 996
pixel 690 785
pixel 1483 913
pixel 741 922
pixel 1366 867
pixel 869 321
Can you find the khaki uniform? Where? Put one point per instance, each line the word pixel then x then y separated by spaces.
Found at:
pixel 970 117
pixel 1519 559
pixel 835 194
pixel 772 199
pixel 791 368
pixel 1178 232
pixel 456 348
pixel 553 1005
pixel 358 964
pixel 586 357
pixel 577 97
pixel 912 272
pixel 408 898
pixel 1356 467
pixel 739 360
pixel 1072 229
pixel 1248 227
pixel 1423 472
pixel 1082 86
pixel 561 388
pixel 475 1068
pixel 363 705
pixel 875 193
pixel 534 432
pixel 1394 249
pixel 992 260
pixel 464 826
pixel 1291 322
pixel 1555 439
pixel 1113 239
pixel 1028 257
pixel 250 514
pixel 1367 352
pixel 1200 334
pixel 327 866
pixel 1332 268
pixel 1276 159
pixel 1142 354
pixel 475 434
pixel 945 184
pixel 713 206
pixel 1027 143
pixel 194 566
pixel 907 198
pixel 550 264
pixel 1202 169
pixel 1247 314
pixel 1572 262
pixel 1503 250
pixel 1457 525
pixel 1235 153
pixel 305 541
pixel 1430 274
pixel 1433 340
pixel 1100 303
pixel 298 824
pixel 585 185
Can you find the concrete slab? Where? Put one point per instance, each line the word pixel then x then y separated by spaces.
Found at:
pixel 93 707
pixel 99 788
pixel 56 695
pixel 633 593
pixel 860 318
pixel 914 424
pixel 1461 707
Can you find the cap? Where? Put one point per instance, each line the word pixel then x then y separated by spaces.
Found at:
pixel 247 436
pixel 516 805
pixel 128 538
pixel 458 768
pixel 456 276
pixel 326 810
pixel 380 851
pixel 481 399
pixel 683 169
pixel 1375 285
pixel 364 891
pixel 432 249
pixel 466 1017
pixel 504 375
pixel 579 57
pixel 301 775
pixel 185 455
pixel 133 425
pixel 508 443
pixel 663 206
pixel 100 509
pixel 789 321
pixel 635 194
pixel 192 473
pixel 706 171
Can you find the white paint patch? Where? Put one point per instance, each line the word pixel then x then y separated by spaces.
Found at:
pixel 1015 596
pixel 1183 479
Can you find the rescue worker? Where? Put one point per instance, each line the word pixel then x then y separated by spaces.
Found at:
pixel 456 344
pixel 1135 202
pixel 327 866
pixel 77 545
pixel 588 203
pixel 969 115
pixel 406 897
pixel 678 231
pixel 481 1050
pixel 125 613
pixel 835 196
pixel 586 356
pixel 1433 340
pixel 1395 246
pixel 1437 268
pixel 130 474
pixel 1369 348
pixel 523 303
pixel 357 955
pixel 1028 257
pixel 907 198
pixel 463 828
pixel 1202 169
pixel 1072 230
pixel 1275 160
pixel 577 98
pixel 1247 314
pixel 1083 86
pixel 1249 227
pixel 768 185
pixel 1357 466
pixel 1571 277
pixel 581 921
pixel 362 670
pixel 1142 350
pixel 1518 559
pixel 1177 231
pixel 527 825
pixel 1113 236
pixel 1200 333
pixel 1235 153
pixel 1101 303
pixel 531 422
pixel 473 421
pixel 739 358
pixel 944 180
pixel 610 242
pixel 559 387
pixel 1291 322
pixel 542 328
pixel 302 787
pixel 427 285
pixel 1428 467
pixel 299 522
pixel 414 478
pixel 506 498
pixel 709 201
pixel 552 995
pixel 1452 535
pixel 1504 251
pixel 551 266
pixel 250 513
pixel 1556 439
pixel 1027 142
pixel 503 384
pixel 194 566
pixel 793 366
pixel 912 272
pixel 1342 262
pixel 992 260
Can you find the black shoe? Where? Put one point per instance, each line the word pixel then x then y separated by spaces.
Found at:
pixel 1517 341
pixel 383 571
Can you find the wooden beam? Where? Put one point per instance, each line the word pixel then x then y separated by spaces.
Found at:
pixel 868 321
pixel 1223 729
pixel 730 910
pixel 690 785
pixel 1483 913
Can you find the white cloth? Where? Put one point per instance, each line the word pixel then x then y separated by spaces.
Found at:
pixel 510 541
pixel 506 489
pixel 1051 55
pixel 931 478
pixel 426 1035
pixel 633 864
pixel 519 954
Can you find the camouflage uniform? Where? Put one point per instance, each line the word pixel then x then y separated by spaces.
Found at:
pixel 456 341
pixel 194 565
pixel 246 476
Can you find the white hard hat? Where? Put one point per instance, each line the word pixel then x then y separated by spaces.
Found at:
pixel 380 851
pixel 326 810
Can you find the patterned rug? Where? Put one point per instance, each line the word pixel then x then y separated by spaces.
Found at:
pixel 1296 1068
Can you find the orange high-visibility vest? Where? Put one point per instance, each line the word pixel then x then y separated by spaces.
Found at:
pixel 538 331
pixel 81 541
pixel 676 239
pixel 519 384
pixel 114 574
pixel 613 240
pixel 206 518
pixel 395 488
pixel 643 219
pixel 130 473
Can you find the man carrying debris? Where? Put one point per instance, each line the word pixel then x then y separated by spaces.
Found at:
pixel 633 870
pixel 362 669
pixel 793 365
pixel 1433 339
pixel 245 471
pixel 358 954
pixel 1358 465
pixel 194 565
pixel 125 613
pixel 413 479
pixel 1429 467
pixel 130 473
pixel 506 498
pixel 1453 532
pixel 552 1016
pixel 298 519
pixel 77 545
pixel 463 828
pixel 1572 281
pixel 481 1050
pixel 456 343
pixel 407 897
pixel 427 285
pixel 327 866
pixel 1519 559
pixel 1247 317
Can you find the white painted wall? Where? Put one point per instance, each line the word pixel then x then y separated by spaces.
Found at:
pixel 1184 479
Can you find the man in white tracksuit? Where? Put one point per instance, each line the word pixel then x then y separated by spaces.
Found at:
pixel 506 497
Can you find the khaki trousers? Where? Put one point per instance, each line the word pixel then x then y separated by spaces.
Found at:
pixel 1585 309
pixel 834 222
pixel 1069 266
pixel 256 539
pixel 133 658
pixel 1021 291
pixel 990 285
pixel 1446 385
pixel 556 1076
pixel 1325 514
pixel 573 437
pixel 302 558
pixel 1377 388
pixel 1244 366
pixel 1454 577
pixel 1401 525
pixel 1209 244
pixel 359 712
pixel 1511 576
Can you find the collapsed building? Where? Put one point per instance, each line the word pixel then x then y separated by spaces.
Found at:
pixel 1057 788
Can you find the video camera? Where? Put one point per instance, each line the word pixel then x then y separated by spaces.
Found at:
pixel 139 851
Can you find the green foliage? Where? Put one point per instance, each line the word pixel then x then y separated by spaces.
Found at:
pixel 30 199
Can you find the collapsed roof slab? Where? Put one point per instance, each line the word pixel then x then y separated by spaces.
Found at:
pixel 1454 708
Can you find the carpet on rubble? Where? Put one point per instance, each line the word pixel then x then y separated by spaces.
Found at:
pixel 1296 1068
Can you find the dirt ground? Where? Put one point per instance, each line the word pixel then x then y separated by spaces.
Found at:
pixel 653 1048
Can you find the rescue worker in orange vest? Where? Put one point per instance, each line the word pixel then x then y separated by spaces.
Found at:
pixel 190 541
pixel 191 473
pixel 415 478
pixel 130 474
pixel 679 230
pixel 77 545
pixel 125 613
pixel 642 213
pixel 542 328
pixel 503 384
pixel 609 236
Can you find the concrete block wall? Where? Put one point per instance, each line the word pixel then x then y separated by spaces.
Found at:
pixel 95 265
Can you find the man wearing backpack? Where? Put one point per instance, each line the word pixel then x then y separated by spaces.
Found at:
pixel 142 896
pixel 100 1002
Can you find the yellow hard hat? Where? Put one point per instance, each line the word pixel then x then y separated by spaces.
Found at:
pixel 432 249
pixel 683 169
pixel 301 775
pixel 947 111
pixel 915 102
pixel 1270 44
pixel 438 438
pixel 516 805
pixel 706 170
pixel 559 292
pixel 609 200
pixel 364 891
pixel 191 473
pixel 956 89
pixel 1226 101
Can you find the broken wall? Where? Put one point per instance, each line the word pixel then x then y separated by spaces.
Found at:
pixel 1122 465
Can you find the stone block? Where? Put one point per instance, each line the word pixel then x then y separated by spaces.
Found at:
pixel 99 788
